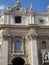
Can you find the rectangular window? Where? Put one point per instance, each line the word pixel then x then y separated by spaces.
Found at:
pixel 41 21
pixel 17 19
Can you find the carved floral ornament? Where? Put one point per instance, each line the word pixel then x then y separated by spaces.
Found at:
pixel 29 37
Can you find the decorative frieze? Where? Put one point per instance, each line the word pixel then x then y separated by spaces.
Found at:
pixel 42 32
pixel 43 37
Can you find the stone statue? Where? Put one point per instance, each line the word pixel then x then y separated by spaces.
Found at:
pixel 31 8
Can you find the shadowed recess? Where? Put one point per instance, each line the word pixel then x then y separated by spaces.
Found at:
pixel 18 61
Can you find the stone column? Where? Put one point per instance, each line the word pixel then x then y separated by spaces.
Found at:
pixel 34 52
pixel 4 51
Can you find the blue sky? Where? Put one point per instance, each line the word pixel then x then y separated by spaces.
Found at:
pixel 38 5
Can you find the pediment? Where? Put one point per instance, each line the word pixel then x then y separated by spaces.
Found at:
pixel 17 9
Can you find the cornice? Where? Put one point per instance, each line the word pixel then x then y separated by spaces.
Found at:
pixel 39 26
pixel 24 26
pixel 41 13
pixel 2 26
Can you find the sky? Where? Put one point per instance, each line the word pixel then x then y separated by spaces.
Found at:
pixel 38 5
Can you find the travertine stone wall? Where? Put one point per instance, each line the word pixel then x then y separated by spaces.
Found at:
pixel 5 52
pixel 0 54
pixel 42 31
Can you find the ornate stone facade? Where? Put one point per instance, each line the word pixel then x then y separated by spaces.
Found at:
pixel 24 34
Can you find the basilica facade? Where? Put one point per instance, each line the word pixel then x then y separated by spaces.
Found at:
pixel 24 36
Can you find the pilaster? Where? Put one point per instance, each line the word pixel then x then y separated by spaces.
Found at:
pixel 34 52
pixel 4 51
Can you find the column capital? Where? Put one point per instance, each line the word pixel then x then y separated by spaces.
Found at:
pixel 32 36
pixel 26 37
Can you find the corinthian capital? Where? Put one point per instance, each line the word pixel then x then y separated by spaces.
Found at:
pixel 34 36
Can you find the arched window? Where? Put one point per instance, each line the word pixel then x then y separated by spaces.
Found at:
pixel 17 46
pixel 43 44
